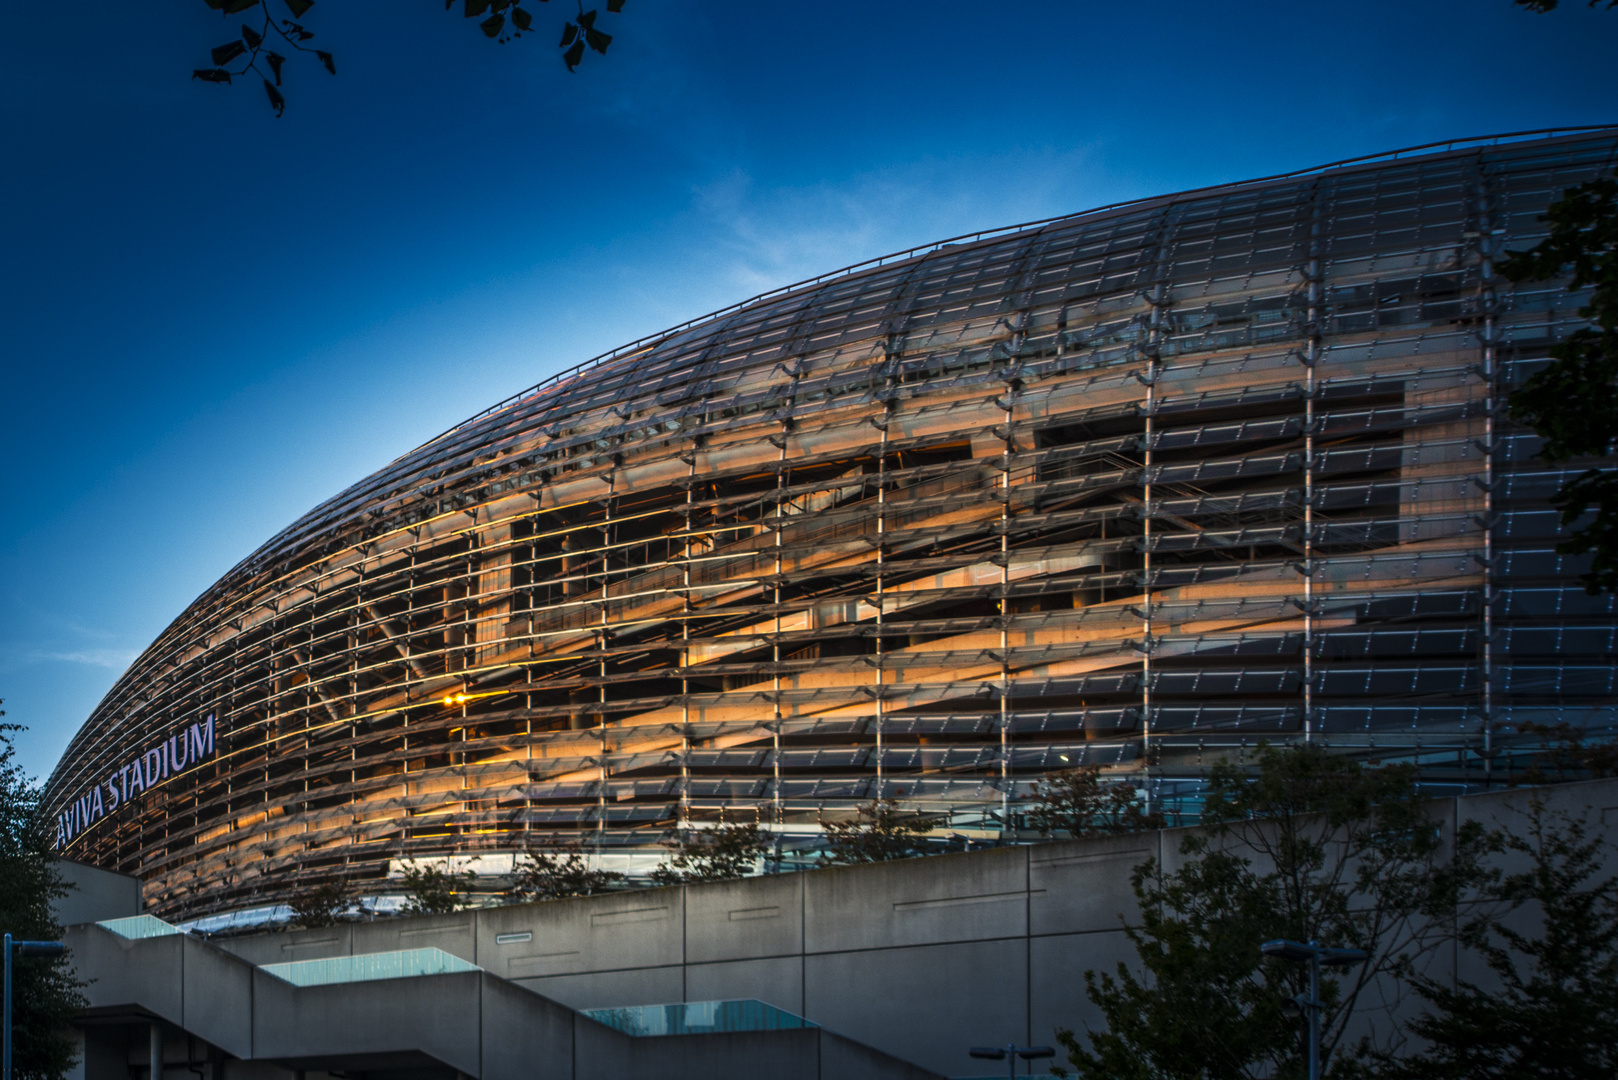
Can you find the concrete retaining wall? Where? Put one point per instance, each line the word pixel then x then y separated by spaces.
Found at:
pixel 920 958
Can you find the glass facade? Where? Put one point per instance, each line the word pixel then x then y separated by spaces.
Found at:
pixel 1139 487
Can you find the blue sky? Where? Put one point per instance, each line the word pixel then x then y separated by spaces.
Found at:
pixel 211 319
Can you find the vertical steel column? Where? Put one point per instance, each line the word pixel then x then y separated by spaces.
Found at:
pixel 8 1004
pixel 601 648
pixel 1311 359
pixel 683 819
pixel 1154 341
pixel 881 539
pixel 528 757
pixel 354 618
pixel 775 650
pixel 410 668
pixel 1008 447
pixel 1486 304
pixel 154 1056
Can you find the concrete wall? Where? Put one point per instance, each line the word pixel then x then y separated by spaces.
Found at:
pixel 95 894
pixel 920 958
pixel 225 1019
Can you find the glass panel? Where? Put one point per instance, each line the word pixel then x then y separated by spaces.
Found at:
pixel 697 1018
pixel 139 926
pixel 404 964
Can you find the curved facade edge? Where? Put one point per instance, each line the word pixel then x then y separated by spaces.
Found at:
pixel 1137 488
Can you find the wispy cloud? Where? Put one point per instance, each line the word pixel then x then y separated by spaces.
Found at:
pixel 769 236
pixel 112 659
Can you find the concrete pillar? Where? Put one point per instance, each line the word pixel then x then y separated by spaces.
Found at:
pixel 156 1051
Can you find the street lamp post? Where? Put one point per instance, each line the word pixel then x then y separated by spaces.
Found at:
pixel 23 948
pixel 1010 1053
pixel 1317 956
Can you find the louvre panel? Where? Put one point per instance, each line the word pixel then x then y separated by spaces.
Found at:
pixel 1137 488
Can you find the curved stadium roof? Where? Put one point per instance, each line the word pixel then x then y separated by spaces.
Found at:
pixel 1136 487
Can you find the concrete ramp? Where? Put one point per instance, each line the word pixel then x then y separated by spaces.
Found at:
pixel 409 1015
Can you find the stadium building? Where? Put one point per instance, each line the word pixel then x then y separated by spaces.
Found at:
pixel 1138 487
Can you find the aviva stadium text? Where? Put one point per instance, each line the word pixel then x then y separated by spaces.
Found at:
pixel 168 758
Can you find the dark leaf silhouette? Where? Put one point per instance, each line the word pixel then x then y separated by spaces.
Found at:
pixel 719 854
pixel 1540 7
pixel 1313 846
pixel 880 830
pixel 554 876
pixel 499 20
pixel 1573 403
pixel 320 905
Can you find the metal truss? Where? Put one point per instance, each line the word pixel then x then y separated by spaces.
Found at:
pixel 1140 487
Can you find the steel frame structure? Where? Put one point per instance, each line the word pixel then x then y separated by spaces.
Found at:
pixel 1139 487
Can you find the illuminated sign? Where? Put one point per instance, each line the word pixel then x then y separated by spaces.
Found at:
pixel 168 758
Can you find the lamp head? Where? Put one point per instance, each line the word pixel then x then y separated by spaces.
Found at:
pixel 1289 950
pixel 39 948
pixel 992 1053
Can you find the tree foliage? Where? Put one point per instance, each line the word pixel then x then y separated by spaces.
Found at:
pixel 879 831
pixel 260 33
pixel 549 876
pixel 1573 403
pixel 1313 847
pixel 1542 6
pixel 320 905
pixel 1078 803
pixel 723 853
pixel 432 890
pixel 1568 754
pixel 1553 1012
pixel 47 994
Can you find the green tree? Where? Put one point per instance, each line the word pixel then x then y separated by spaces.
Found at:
pixel 47 994
pixel 252 48
pixel 432 890
pixel 1554 1011
pixel 880 830
pixel 1573 403
pixel 320 905
pixel 723 853
pixel 1567 754
pixel 1542 6
pixel 553 876
pixel 1078 803
pixel 1312 847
